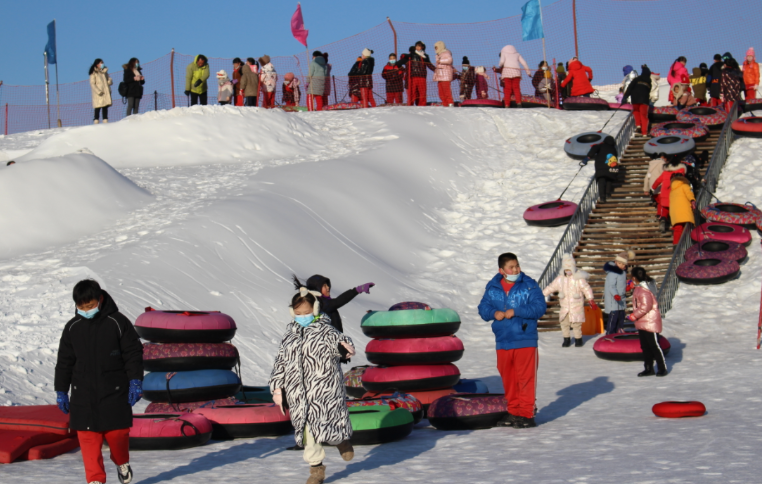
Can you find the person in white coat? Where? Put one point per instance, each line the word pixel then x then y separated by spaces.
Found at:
pixel 573 289
pixel 268 79
pixel 100 85
pixel 510 64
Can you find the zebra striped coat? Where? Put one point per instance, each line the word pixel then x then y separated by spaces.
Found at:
pixel 307 369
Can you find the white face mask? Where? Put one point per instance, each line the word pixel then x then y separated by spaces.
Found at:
pixel 544 68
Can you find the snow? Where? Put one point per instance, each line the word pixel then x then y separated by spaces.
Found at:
pixel 420 201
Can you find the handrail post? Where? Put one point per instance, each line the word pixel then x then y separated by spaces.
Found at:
pixel 6 119
pixel 155 101
pixel 172 75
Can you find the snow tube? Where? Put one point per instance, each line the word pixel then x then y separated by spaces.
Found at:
pixel 379 424
pixel 621 107
pixel 246 421
pixel 185 326
pixel 187 407
pixel 409 305
pixel 410 323
pixel 717 249
pixel 759 226
pixel 254 395
pixel 189 356
pixel 169 431
pixel 679 409
pixel 671 145
pixel 577 147
pixel 342 106
pixel 35 418
pixel 467 411
pixel 530 102
pixel 426 397
pixel 624 347
pixel 750 127
pixel 470 386
pixel 752 105
pixel 190 386
pixel 732 213
pixel 48 451
pixel 707 270
pixel 15 443
pixel 482 103
pixel 663 113
pixel 396 400
pixel 721 231
pixel 295 109
pixel 692 129
pixel 550 214
pixel 582 103
pixel 410 377
pixel 353 381
pixel 408 351
pixel 712 118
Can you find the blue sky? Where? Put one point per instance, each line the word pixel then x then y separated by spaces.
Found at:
pixel 118 30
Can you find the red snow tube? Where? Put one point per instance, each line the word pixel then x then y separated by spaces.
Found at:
pixel 663 113
pixel 463 411
pixel 530 102
pixel 187 407
pixel 751 127
pixel 582 103
pixel 692 129
pixel 679 409
pixel 15 443
pixel 712 118
pixel 48 451
pixel 353 381
pixel 551 214
pixel 721 231
pixel 189 356
pixel 342 106
pixel 185 326
pixel 426 397
pixel 410 377
pixel 717 249
pixel 395 401
pixel 35 418
pixel 410 305
pixel 482 103
pixel 155 431
pixel 707 270
pixel 246 421
pixel 408 351
pixel 624 347
pixel 752 104
pixel 732 213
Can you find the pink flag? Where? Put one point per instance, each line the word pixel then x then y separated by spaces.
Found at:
pixel 297 26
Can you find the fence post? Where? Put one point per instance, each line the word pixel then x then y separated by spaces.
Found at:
pixel 6 119
pixel 395 35
pixel 574 17
pixel 172 75
pixel 335 96
pixel 155 101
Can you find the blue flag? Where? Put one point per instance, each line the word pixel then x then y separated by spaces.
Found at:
pixel 50 48
pixel 531 21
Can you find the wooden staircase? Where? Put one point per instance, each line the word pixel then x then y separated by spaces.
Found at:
pixel 627 221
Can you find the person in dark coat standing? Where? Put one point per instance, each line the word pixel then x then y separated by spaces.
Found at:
pixel 394 77
pixel 606 166
pixel 731 84
pixel 713 80
pixel 133 85
pixel 100 358
pixel 467 79
pixel 330 307
pixel 639 90
pixel 365 75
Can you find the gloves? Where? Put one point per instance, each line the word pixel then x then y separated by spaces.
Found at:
pixel 187 93
pixel 584 161
pixel 62 399
pixel 617 298
pixel 365 288
pixel 631 317
pixel 197 83
pixel 693 204
pixel 630 285
pixel 136 392
pixel 593 305
pixel 100 93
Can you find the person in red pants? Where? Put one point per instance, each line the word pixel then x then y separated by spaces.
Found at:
pixel 417 63
pixel 750 74
pixel 640 92
pixel 444 73
pixel 100 358
pixel 514 302
pixel 365 74
pixel 511 63
pixel 682 203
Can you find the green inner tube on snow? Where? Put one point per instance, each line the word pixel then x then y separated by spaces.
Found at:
pixel 410 323
pixel 379 424
pixel 254 395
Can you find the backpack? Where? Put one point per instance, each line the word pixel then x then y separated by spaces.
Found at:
pixel 122 89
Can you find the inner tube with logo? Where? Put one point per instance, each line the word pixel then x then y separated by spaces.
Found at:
pixel 396 400
pixel 353 381
pixel 410 323
pixel 691 129
pixel 379 424
pixel 189 356
pixel 156 431
pixel 717 249
pixel 185 326
pixel 464 411
pixel 662 114
pixel 190 386
pixel 550 214
pixel 243 421
pixel 410 377
pixel 426 397
pixel 408 351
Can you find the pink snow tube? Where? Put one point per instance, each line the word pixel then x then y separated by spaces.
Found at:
pixel 711 117
pixel 342 106
pixel 721 231
pixel 410 377
pixel 582 103
pixel 550 214
pixel 717 249
pixel 189 356
pixel 407 351
pixel 732 213
pixel 410 305
pixel 663 113
pixel 246 421
pixel 624 347
pixel 481 103
pixel 692 129
pixel 187 407
pixel 185 326
pixel 622 107
pixel 708 270
pixel 169 431
pixel 679 409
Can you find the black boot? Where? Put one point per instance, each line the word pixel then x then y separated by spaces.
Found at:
pixel 662 225
pixel 524 423
pixel 649 370
pixel 662 372
pixel 578 342
pixel 566 343
pixel 506 421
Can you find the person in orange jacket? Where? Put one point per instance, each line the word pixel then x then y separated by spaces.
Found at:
pixel 751 74
pixel 682 202
pixel 580 76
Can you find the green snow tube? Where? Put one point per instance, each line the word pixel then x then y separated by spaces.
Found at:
pixel 379 424
pixel 254 395
pixel 410 323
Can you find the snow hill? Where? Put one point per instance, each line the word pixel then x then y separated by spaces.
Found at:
pixel 418 200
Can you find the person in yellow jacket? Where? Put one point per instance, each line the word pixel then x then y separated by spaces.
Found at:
pixel 681 205
pixel 100 86
pixel 196 75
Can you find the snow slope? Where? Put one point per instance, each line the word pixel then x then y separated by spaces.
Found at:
pixel 420 201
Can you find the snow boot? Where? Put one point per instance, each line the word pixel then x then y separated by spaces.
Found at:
pixel 317 475
pixel 105 121
pixel 648 371
pixel 506 421
pixel 662 225
pixel 124 472
pixel 346 450
pixel 95 121
pixel 524 422
pixel 578 342
pixel 566 343
pixel 662 372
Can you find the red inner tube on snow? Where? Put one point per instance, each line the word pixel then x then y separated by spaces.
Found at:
pixel 695 130
pixel 409 351
pixel 481 103
pixel 717 249
pixel 624 347
pixel 732 213
pixel 679 409
pixel 246 421
pixel 463 411
pixel 185 326
pixel 707 270
pixel 169 431
pixel 711 117
pixel 721 231
pixel 751 127
pixel 410 377
pixel 551 214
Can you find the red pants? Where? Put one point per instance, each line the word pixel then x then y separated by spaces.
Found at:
pixel 661 210
pixel 417 91
pixel 677 232
pixel 640 112
pixel 366 97
pixel 518 369
pixel 325 100
pixel 393 98
pixel 445 93
pixel 268 99
pixel 714 102
pixel 751 94
pixel 728 106
pixel 91 443
pixel 512 86
pixel 354 98
pixel 312 101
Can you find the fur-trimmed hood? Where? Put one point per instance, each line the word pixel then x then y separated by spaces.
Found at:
pixel 569 264
pixel 612 267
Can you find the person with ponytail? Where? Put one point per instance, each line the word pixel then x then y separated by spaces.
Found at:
pixel 307 379
pixel 647 319
pixel 676 73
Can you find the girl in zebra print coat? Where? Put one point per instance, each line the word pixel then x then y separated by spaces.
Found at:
pixel 307 376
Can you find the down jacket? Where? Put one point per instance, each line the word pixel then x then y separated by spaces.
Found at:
pixel 655 169
pixel 676 73
pixel 528 304
pixel 580 76
pixel 249 81
pixel 317 75
pixel 664 184
pixel 645 308
pixel 616 284
pixel 572 292
pixel 268 77
pixel 444 70
pixel 394 77
pixel 680 198
pixel 193 74
pixel 509 62
pixel 100 85
pixel 307 369
pixel 639 90
pixel 751 73
pixel 134 88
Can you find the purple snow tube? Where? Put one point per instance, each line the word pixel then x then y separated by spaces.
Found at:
pixel 717 249
pixel 693 129
pixel 550 214
pixel 712 118
pixel 708 270
pixel 662 114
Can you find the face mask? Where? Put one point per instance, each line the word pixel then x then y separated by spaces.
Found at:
pixel 305 320
pixel 137 64
pixel 465 68
pixel 88 314
pixel 568 273
pixel 512 277
pixel 103 66
pixel 393 61
pixel 544 68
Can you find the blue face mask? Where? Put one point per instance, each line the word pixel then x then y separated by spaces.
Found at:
pixel 88 314
pixel 305 320
pixel 393 61
pixel 137 64
pixel 512 277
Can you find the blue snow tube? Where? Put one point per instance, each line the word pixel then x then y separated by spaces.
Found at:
pixel 190 386
pixel 466 385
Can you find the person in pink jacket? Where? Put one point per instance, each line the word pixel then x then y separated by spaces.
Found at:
pixel 676 73
pixel 444 74
pixel 647 319
pixel 511 63
pixel 572 288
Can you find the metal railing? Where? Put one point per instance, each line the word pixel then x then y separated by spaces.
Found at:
pixel 670 283
pixel 570 238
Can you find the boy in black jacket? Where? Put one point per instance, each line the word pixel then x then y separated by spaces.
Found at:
pixel 100 358
pixel 640 91
pixel 330 306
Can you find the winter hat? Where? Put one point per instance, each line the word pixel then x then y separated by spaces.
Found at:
pixel 222 74
pixel 726 56
pixel 367 52
pixel 265 59
pixel 465 61
pixel 625 257
pixel 423 46
pixel 317 53
pixel 439 46
pixel 289 76
pixel 750 52
pixel 568 264
pixel 627 70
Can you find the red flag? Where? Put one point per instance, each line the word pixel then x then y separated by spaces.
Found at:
pixel 297 26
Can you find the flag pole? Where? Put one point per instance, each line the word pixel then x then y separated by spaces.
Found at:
pixel 47 86
pixel 58 100
pixel 542 24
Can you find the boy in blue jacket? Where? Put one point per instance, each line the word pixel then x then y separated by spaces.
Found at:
pixel 514 302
